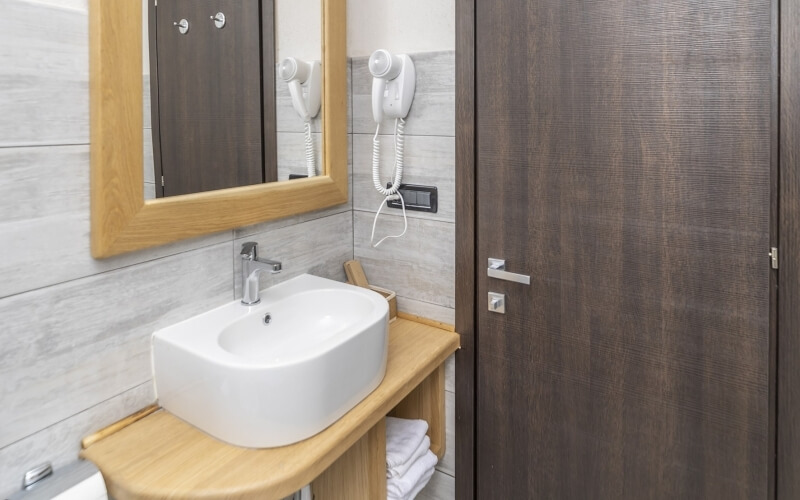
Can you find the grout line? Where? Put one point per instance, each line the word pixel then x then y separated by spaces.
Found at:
pixel 400 215
pixel 344 210
pixel 31 146
pixel 137 386
pixel 439 136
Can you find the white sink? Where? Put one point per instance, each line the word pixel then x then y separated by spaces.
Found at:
pixel 265 385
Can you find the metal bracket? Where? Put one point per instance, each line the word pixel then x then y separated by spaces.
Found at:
pixel 773 253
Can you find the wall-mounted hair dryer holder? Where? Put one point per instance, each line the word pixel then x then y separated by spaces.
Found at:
pixel 305 85
pixel 393 85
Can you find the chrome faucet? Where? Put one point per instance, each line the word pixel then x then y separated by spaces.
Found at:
pixel 251 267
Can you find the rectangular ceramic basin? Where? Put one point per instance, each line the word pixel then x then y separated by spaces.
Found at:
pixel 262 384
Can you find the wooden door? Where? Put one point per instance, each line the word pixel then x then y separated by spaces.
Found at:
pixel 624 163
pixel 210 95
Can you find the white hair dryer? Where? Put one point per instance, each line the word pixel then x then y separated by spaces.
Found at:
pixel 305 86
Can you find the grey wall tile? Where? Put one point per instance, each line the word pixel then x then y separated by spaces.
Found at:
pixel 450 374
pixel 44 231
pixel 418 265
pixel 148 163
pixel 69 347
pixel 448 463
pixel 149 191
pixel 243 232
pixel 147 109
pixel 435 72
pixel 44 75
pixel 441 487
pixel 60 442
pixel 433 109
pixel 426 309
pixel 428 161
pixel 292 154
pixel 246 233
pixel 430 114
pixel 287 119
pixel 318 247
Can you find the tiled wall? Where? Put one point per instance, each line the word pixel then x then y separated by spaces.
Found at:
pixel 420 266
pixel 74 331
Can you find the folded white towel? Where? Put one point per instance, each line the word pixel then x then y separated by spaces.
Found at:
pixel 423 482
pixel 401 469
pixel 403 486
pixel 403 437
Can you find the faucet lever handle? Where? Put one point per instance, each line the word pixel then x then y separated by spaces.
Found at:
pixel 250 250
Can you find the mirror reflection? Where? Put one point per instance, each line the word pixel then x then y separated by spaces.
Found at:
pixel 232 92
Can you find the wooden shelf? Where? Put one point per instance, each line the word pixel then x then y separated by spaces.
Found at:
pixel 160 456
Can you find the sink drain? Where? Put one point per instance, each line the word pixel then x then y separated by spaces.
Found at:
pixel 267 318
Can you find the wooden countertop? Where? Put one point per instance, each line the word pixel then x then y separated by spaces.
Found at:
pixel 160 456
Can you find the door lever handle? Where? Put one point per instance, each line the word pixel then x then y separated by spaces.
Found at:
pixel 497 269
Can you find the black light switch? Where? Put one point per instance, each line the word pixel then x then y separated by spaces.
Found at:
pixel 418 198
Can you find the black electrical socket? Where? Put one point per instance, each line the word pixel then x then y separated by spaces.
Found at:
pixel 417 198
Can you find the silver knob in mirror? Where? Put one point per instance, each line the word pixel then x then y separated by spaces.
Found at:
pixel 219 20
pixel 182 25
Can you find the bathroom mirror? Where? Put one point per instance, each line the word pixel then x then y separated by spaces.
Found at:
pixel 218 113
pixel 122 219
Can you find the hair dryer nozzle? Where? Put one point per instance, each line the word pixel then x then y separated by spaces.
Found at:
pixel 292 69
pixel 382 64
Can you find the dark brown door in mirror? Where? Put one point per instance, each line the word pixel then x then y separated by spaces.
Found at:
pixel 209 98
pixel 624 163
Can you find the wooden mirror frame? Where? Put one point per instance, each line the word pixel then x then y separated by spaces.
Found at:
pixel 122 221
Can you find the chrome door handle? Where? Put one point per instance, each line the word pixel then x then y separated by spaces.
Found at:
pixel 497 269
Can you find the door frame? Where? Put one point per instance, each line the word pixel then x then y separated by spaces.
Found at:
pixel 787 55
pixel 466 266
pixel 784 372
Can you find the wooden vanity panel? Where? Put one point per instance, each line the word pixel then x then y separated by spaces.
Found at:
pixel 426 402
pixel 359 474
pixel 160 456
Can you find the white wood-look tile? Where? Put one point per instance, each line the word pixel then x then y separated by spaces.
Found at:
pixel 319 247
pixel 44 75
pixel 60 442
pixel 71 346
pixel 44 231
pixel 429 161
pixel 441 487
pixel 419 265
pixel 433 109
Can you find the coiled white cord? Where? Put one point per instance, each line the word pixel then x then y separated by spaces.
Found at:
pixel 391 193
pixel 311 164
